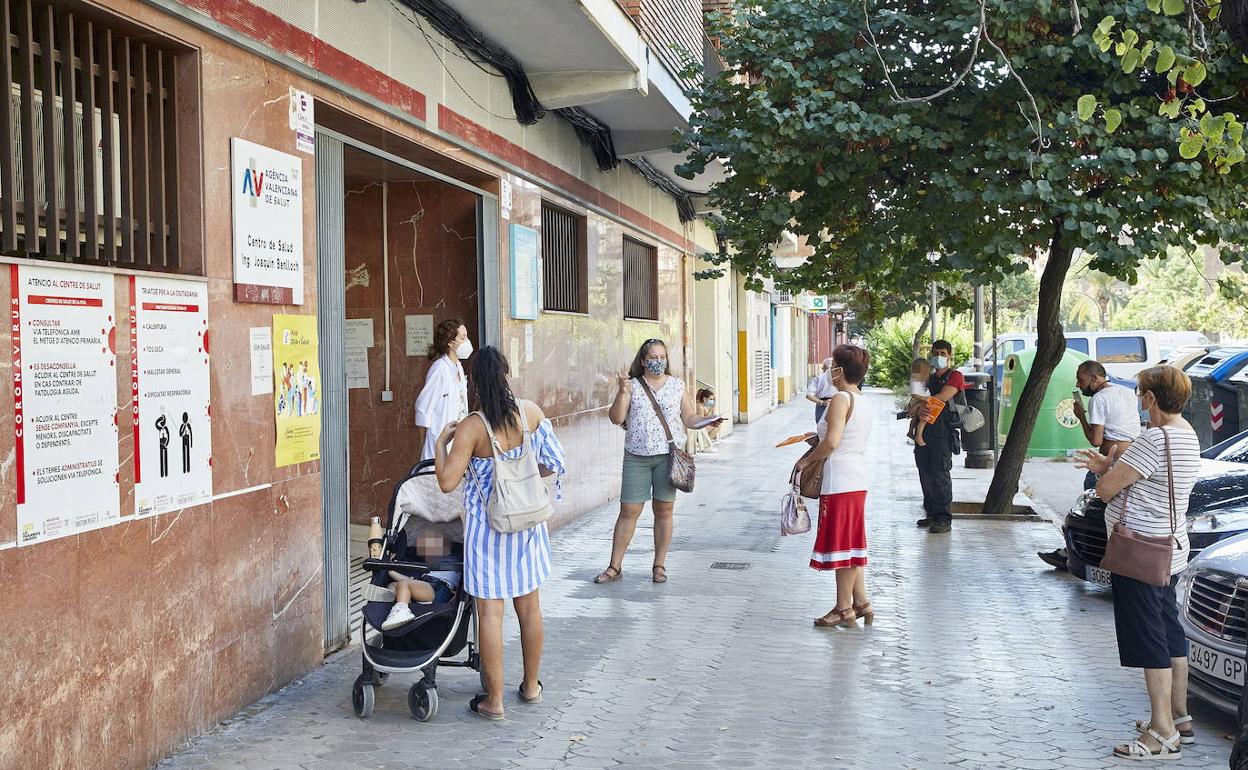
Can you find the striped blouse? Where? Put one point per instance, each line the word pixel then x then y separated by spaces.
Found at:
pixel 1147 501
pixel 503 565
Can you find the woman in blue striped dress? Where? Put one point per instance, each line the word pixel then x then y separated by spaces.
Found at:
pixel 497 565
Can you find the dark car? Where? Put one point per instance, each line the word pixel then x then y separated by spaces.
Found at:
pixel 1217 509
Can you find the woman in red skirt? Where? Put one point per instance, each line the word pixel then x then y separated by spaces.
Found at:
pixel 841 545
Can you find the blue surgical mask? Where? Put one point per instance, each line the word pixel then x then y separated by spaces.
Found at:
pixel 710 402
pixel 656 366
pixel 940 362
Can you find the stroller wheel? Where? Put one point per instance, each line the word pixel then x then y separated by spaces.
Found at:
pixel 422 700
pixel 362 698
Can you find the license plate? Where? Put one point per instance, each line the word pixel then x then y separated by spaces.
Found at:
pixel 1099 576
pixel 1225 667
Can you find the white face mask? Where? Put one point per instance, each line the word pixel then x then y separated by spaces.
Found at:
pixel 710 402
pixel 464 350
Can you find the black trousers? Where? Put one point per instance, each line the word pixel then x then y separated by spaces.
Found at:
pixel 934 462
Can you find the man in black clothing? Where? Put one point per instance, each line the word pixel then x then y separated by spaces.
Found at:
pixel 935 460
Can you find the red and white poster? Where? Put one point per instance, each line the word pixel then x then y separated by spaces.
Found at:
pixel 62 327
pixel 169 393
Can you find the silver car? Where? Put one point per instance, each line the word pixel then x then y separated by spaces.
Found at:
pixel 1213 592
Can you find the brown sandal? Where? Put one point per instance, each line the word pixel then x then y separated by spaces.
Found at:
pixel 607 577
pixel 865 612
pixel 655 576
pixel 845 617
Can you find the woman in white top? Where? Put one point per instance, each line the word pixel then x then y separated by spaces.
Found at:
pixel 444 398
pixel 646 452
pixel 1147 490
pixel 821 390
pixel 841 545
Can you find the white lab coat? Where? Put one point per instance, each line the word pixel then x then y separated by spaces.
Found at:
pixel 444 398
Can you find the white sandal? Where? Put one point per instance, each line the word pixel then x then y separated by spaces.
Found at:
pixel 1137 749
pixel 1185 738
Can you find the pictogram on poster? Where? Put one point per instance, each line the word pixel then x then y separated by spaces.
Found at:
pixel 296 389
pixel 63 334
pixel 169 392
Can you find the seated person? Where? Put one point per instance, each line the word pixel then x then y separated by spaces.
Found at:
pixel 436 586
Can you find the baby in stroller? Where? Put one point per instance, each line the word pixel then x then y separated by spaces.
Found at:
pixel 433 587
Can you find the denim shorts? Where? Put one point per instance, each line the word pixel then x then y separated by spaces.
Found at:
pixel 646 478
pixel 442 591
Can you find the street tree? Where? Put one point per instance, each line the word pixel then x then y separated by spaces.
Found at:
pixel 885 132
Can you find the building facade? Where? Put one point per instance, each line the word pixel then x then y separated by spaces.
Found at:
pixel 313 186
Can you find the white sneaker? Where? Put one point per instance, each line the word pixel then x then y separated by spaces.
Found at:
pixel 399 614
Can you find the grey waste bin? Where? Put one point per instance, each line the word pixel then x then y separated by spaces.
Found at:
pixel 1204 375
pixel 1239 381
pixel 978 444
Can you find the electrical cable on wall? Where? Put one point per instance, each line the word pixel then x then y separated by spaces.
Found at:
pixel 684 201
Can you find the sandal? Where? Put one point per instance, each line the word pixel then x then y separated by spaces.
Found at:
pixel 865 612
pixel 1137 749
pixel 536 698
pixel 845 617
pixel 474 706
pixel 607 577
pixel 1186 737
pixel 655 573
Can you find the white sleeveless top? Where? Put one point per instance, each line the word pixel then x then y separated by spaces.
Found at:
pixel 845 470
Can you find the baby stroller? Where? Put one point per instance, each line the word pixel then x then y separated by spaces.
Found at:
pixel 437 634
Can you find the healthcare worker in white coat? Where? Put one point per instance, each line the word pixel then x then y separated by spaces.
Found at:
pixel 444 398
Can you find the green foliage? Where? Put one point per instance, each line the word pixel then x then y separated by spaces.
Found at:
pixel 890 345
pixel 1174 295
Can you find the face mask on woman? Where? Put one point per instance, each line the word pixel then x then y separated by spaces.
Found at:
pixel 656 366
pixel 710 402
pixel 464 350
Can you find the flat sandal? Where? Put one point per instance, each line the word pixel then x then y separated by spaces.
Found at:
pixel 655 574
pixel 607 577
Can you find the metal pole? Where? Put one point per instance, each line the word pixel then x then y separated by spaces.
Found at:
pixel 979 328
pixel 932 313
pixel 996 354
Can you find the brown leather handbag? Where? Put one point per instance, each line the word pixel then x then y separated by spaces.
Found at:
pixel 1143 557
pixel 810 480
pixel 680 468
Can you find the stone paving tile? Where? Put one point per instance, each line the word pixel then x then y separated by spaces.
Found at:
pixel 980 657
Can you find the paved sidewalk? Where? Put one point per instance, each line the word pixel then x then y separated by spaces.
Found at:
pixel 980 656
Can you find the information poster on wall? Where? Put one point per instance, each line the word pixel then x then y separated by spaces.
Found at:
pixel 356 362
pixel 419 334
pixel 526 273
pixel 63 334
pixel 267 196
pixel 297 389
pixel 170 392
pixel 260 339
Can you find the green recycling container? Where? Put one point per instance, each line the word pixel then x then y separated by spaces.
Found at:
pixel 1057 429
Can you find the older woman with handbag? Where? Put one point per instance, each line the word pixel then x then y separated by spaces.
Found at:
pixel 1147 491
pixel 841 544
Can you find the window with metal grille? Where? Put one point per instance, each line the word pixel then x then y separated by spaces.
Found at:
pixel 565 286
pixel 90 137
pixel 641 280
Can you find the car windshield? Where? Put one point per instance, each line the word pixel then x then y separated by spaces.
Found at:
pixel 1235 453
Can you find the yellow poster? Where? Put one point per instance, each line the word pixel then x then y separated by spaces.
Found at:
pixel 296 389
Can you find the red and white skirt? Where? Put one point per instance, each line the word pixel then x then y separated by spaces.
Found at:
pixel 842 538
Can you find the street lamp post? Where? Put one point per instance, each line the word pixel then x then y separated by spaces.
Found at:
pixel 933 257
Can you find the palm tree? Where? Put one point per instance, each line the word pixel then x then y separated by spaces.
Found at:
pixel 1095 297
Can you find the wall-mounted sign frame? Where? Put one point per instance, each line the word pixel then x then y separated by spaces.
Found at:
pixel 526 273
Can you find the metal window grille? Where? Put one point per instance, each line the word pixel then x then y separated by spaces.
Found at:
pixel 641 280
pixel 762 373
pixel 564 280
pixel 92 110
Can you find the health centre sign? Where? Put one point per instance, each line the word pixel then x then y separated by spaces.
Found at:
pixel 267 195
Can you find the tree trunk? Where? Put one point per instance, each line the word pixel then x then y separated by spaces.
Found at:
pixel 1050 347
pixel 916 344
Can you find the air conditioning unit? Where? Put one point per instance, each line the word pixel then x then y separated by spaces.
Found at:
pixel 58 135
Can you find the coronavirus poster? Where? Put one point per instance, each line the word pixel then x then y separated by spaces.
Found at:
pixel 169 394
pixel 296 389
pixel 62 328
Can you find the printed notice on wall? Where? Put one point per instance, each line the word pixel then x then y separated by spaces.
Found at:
pixel 419 334
pixel 261 360
pixel 169 391
pixel 526 273
pixel 357 368
pixel 267 194
pixel 297 385
pixel 63 330
pixel 359 333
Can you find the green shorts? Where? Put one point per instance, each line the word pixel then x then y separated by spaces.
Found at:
pixel 645 478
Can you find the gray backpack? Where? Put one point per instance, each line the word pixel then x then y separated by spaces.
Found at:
pixel 520 499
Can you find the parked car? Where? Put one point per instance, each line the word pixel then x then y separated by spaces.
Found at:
pixel 1218 509
pixel 1123 353
pixel 1212 595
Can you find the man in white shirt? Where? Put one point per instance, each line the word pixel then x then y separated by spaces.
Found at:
pixel 821 390
pixel 1112 420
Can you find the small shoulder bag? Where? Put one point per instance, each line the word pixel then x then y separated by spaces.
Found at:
pixel 519 499
pixel 811 479
pixel 1143 557
pixel 680 467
